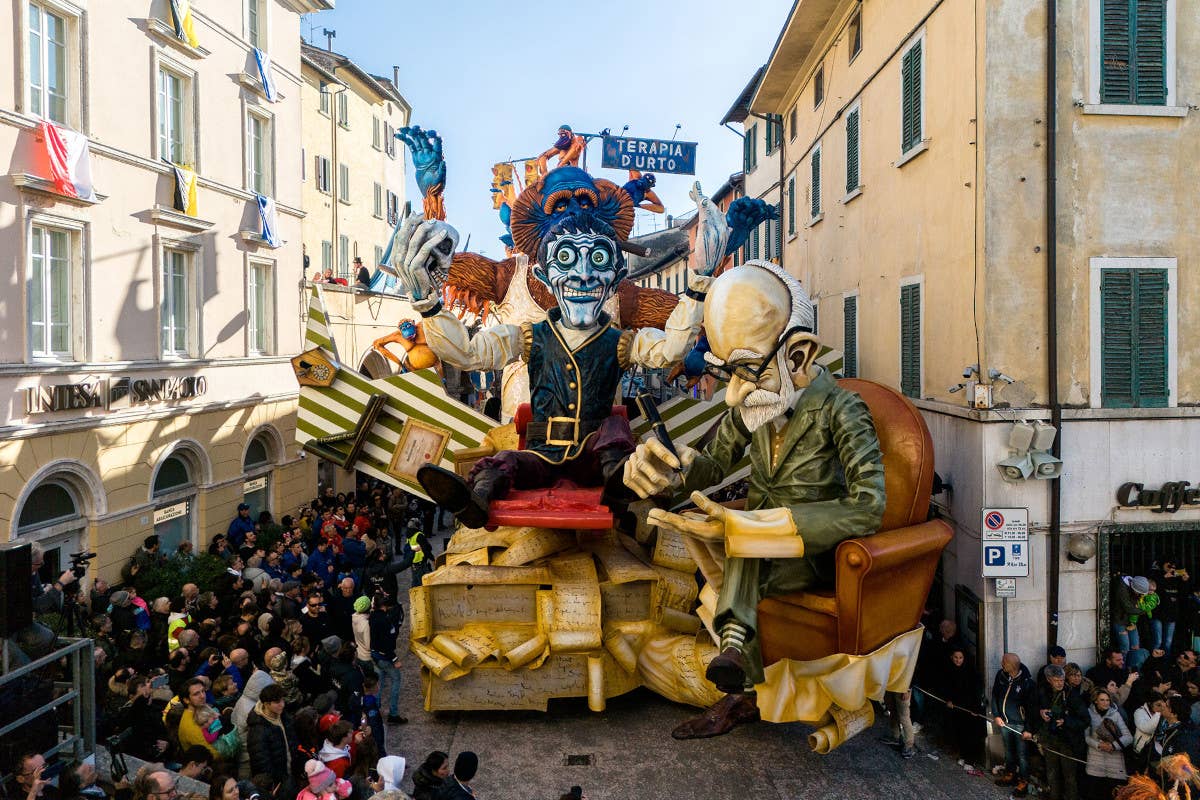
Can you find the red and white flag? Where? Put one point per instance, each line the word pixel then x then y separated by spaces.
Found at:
pixel 70 161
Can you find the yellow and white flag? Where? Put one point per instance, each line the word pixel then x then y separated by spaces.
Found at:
pixel 181 16
pixel 185 190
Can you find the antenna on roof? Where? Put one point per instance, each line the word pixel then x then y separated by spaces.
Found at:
pixel 329 35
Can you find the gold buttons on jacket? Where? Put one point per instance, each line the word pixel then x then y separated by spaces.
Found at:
pixel 571 406
pixel 572 384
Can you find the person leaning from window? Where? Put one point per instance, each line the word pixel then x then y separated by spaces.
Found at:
pixel 48 597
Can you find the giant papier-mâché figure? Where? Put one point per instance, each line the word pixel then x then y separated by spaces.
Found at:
pixel 575 357
pixel 816 471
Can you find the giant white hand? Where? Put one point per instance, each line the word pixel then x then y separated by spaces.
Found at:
pixel 421 254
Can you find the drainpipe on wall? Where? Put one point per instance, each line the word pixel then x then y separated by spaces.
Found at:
pixel 1052 559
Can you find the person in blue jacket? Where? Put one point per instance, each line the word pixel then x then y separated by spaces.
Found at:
pixel 241 525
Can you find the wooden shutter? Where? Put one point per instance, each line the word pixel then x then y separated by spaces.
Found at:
pixel 910 72
pixel 852 151
pixel 850 337
pixel 754 243
pixel 1133 52
pixel 1116 338
pixel 1133 338
pixel 1150 47
pixel 816 183
pixel 910 340
pixel 778 240
pixel 746 152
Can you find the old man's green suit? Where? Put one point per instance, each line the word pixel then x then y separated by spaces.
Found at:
pixel 825 466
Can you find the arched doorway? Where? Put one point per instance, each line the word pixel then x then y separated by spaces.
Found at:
pixel 174 497
pixel 52 516
pixel 257 465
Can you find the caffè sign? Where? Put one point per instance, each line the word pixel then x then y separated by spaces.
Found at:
pixel 1168 498
pixel 111 394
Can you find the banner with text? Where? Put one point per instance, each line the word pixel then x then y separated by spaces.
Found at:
pixel 649 155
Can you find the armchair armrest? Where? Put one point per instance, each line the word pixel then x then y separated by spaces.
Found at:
pixel 882 582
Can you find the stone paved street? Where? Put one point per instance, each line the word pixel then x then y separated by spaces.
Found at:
pixel 523 755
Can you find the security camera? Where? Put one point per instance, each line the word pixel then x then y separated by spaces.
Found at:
pixel 971 370
pixel 958 387
pixel 997 375
pixel 1017 468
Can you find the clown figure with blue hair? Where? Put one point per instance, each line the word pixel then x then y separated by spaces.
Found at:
pixel 573 227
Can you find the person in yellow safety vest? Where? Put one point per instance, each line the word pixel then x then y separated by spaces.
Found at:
pixel 422 553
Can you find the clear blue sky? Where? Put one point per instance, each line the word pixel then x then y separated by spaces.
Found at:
pixel 496 79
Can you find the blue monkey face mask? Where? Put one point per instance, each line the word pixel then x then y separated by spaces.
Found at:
pixel 582 269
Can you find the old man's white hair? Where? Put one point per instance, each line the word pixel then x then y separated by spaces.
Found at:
pixel 802 308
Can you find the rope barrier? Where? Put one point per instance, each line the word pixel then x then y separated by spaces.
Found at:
pixel 992 721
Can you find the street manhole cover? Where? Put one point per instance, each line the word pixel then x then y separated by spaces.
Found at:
pixel 579 760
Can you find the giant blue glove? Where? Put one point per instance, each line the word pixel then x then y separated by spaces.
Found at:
pixel 426 149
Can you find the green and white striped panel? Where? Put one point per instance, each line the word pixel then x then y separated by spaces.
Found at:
pixel 326 411
pixel 316 330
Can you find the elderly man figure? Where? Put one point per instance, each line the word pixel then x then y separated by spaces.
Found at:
pixel 816 472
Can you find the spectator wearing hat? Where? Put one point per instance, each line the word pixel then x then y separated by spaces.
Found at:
pixel 458 787
pixel 123 615
pixel 362 276
pixel 323 783
pixel 1127 592
pixel 240 526
pixel 360 622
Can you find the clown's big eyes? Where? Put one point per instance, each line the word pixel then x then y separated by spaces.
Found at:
pixel 566 256
pixel 560 206
pixel 600 258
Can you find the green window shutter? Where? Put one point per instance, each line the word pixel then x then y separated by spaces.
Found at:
pixel 816 183
pixel 910 340
pixel 1133 51
pixel 791 201
pixel 778 239
pixel 754 243
pixel 1133 338
pixel 754 145
pixel 852 151
pixel 850 337
pixel 1150 46
pixel 1116 338
pixel 1151 338
pixel 1116 45
pixel 910 73
pixel 746 152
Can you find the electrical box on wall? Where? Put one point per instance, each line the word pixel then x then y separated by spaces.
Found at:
pixel 981 395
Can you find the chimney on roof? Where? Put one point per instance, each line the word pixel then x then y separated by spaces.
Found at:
pixel 395 76
pixel 670 222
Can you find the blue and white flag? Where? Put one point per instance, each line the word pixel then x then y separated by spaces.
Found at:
pixel 270 231
pixel 264 73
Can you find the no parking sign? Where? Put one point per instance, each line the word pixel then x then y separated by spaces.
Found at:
pixel 1005 540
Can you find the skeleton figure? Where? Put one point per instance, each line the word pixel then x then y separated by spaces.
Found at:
pixel 575 357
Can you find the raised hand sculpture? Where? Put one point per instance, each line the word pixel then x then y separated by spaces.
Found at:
pixel 426 149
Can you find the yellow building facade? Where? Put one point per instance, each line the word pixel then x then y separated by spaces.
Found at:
pixel 926 193
pixel 354 167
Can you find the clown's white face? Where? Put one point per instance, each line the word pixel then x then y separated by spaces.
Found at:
pixel 583 273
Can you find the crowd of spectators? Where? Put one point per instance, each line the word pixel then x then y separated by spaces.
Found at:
pixel 1079 733
pixel 274 670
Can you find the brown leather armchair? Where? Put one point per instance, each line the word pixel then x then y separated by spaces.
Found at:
pixel 882 580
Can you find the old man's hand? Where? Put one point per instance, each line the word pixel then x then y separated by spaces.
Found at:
pixel 653 469
pixel 708 523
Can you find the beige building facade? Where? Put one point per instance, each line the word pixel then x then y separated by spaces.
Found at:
pixel 940 211
pixel 144 350
pixel 354 167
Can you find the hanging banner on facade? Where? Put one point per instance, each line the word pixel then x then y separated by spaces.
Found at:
pixel 1004 536
pixel 649 155
pixel 168 513
pixel 249 487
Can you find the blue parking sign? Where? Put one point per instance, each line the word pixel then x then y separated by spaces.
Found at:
pixel 993 556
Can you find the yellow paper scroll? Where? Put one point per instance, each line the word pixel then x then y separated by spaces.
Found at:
pixel 839 725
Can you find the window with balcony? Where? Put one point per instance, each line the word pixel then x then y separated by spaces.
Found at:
pixel 175 102
pixel 49 63
pixel 259 154
pixel 256 23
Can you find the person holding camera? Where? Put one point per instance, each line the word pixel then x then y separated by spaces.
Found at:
pixel 1060 723
pixel 47 598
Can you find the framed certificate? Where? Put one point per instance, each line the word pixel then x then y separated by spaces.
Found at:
pixel 420 443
